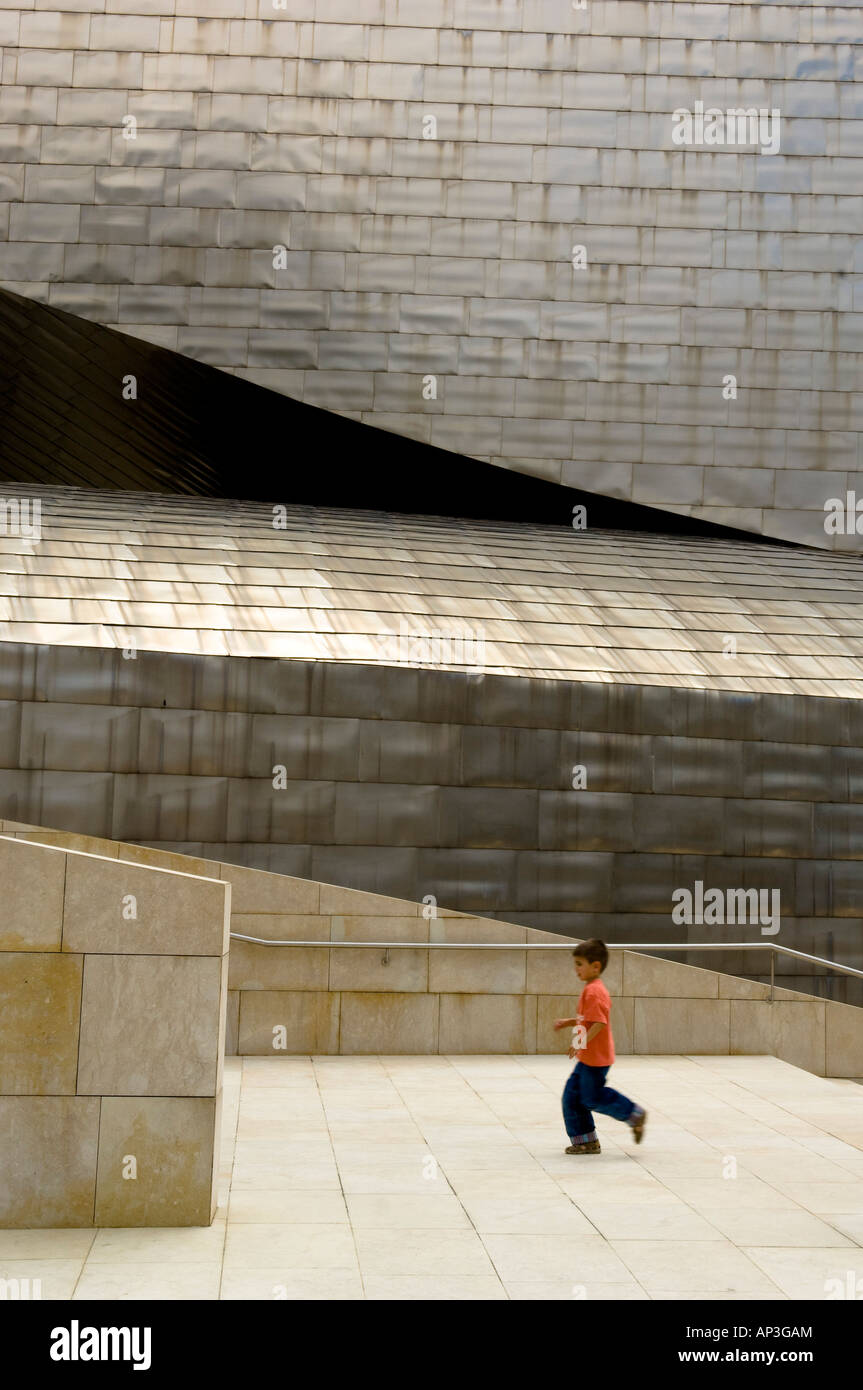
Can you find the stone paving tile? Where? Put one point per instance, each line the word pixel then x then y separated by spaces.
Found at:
pixel 55 1244
pixel 824 1198
pixel 586 1259
pixel 741 1193
pixel 480 1182
pixel 275 1282
pixel 394 1178
pixel 812 1272
pixel 850 1225
pixel 526 1216
pixel 564 1291
pixel 140 1246
pixel 370 1210
pixel 428 1287
pixel 648 1221
pixel 163 1281
pixel 293 1245
pixel 687 1295
pixel 777 1227
pixel 436 1178
pixel 280 1205
pixel 428 1252
pixel 56 1278
pixel 702 1266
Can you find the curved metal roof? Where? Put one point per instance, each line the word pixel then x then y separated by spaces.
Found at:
pixel 174 574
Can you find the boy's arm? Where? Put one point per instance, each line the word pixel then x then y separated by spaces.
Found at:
pixel 565 1023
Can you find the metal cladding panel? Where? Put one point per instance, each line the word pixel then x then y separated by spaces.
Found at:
pixel 614 607
pixel 339 203
pixel 455 781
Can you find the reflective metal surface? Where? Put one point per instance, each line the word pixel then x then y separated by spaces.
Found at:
pixel 203 576
pixel 580 286
pixel 415 782
pixel 145 696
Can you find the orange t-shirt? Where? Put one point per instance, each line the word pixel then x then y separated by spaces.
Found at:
pixel 594 1006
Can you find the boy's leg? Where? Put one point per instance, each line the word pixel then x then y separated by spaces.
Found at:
pixel 607 1101
pixel 576 1116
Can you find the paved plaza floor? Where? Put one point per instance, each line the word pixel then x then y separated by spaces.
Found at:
pixel 445 1178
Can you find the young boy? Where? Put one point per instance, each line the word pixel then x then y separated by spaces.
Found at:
pixel 593 1045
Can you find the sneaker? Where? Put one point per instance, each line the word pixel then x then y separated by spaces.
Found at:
pixel 638 1127
pixel 591 1148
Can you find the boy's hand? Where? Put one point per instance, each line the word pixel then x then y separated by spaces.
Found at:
pixel 572 1052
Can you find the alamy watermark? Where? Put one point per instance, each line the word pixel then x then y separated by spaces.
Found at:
pixel 18 1290
pixel 718 907
pixel 433 647
pixel 77 1343
pixel 737 126
pixel 843 516
pixel 21 516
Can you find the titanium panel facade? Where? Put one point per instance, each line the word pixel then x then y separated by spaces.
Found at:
pixel 280 214
pixel 418 782
pixel 173 574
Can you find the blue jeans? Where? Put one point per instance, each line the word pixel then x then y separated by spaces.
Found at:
pixel 586 1091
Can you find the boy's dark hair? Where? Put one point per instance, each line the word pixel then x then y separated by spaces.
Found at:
pixel 593 950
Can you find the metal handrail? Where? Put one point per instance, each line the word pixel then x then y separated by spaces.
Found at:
pixel 567 945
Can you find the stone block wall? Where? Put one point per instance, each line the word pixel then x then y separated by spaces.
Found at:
pixel 113 981
pixel 330 999
pixel 326 1000
pixel 304 127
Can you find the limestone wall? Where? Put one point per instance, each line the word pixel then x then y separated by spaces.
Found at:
pixel 302 125
pixel 113 987
pixel 325 999
pixel 449 1001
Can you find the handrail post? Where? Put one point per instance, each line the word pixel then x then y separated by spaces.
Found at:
pixel 772 968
